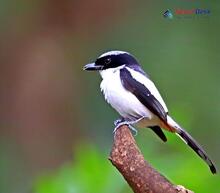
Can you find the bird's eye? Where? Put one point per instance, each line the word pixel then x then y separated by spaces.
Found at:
pixel 107 60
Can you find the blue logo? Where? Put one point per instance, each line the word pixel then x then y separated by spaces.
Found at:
pixel 168 14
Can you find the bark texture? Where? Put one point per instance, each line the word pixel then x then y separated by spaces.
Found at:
pixel 128 159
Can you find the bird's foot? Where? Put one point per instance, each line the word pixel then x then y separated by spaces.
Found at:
pixel 119 122
pixel 133 130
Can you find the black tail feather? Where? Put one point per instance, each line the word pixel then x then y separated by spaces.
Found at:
pixel 196 147
pixel 157 130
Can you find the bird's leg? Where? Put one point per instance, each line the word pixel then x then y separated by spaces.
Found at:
pixel 135 131
pixel 119 122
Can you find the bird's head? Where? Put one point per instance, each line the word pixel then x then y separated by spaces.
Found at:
pixel 111 60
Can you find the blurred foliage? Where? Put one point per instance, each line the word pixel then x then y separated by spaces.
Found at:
pixel 91 172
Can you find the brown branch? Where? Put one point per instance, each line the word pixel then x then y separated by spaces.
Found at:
pixel 128 159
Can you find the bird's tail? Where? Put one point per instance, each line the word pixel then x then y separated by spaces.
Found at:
pixel 191 142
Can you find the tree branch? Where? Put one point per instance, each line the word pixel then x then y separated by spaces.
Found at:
pixel 128 159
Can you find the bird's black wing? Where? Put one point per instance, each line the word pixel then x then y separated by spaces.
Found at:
pixel 142 94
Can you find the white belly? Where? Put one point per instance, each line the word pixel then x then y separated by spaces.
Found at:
pixel 124 102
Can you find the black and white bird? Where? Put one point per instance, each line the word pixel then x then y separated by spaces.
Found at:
pixel 129 90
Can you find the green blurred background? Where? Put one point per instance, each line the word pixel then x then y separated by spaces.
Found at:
pixel 56 129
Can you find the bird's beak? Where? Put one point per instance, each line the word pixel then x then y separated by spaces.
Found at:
pixel 92 67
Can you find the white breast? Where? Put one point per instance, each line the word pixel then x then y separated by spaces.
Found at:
pixel 123 101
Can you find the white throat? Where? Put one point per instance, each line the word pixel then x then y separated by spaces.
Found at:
pixel 108 73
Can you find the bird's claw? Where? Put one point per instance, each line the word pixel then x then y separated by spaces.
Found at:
pixel 116 122
pixel 135 131
pixel 119 122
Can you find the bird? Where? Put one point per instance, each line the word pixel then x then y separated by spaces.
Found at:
pixel 131 92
